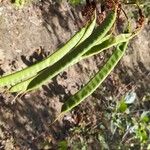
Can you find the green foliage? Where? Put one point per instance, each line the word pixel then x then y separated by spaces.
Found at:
pixel 87 42
pixel 75 2
pixel 134 123
pixel 62 145
pixel 94 83
pixel 122 106
pixel 50 60
pixel 68 60
pixel 21 3
pixel 125 129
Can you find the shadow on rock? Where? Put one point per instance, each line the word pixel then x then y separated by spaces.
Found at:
pixel 139 76
pixel 29 120
pixel 58 17
pixel 55 89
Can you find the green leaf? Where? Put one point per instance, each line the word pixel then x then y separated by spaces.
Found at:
pixel 19 3
pixel 62 145
pixel 142 135
pixel 145 117
pixel 122 106
pixel 76 2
